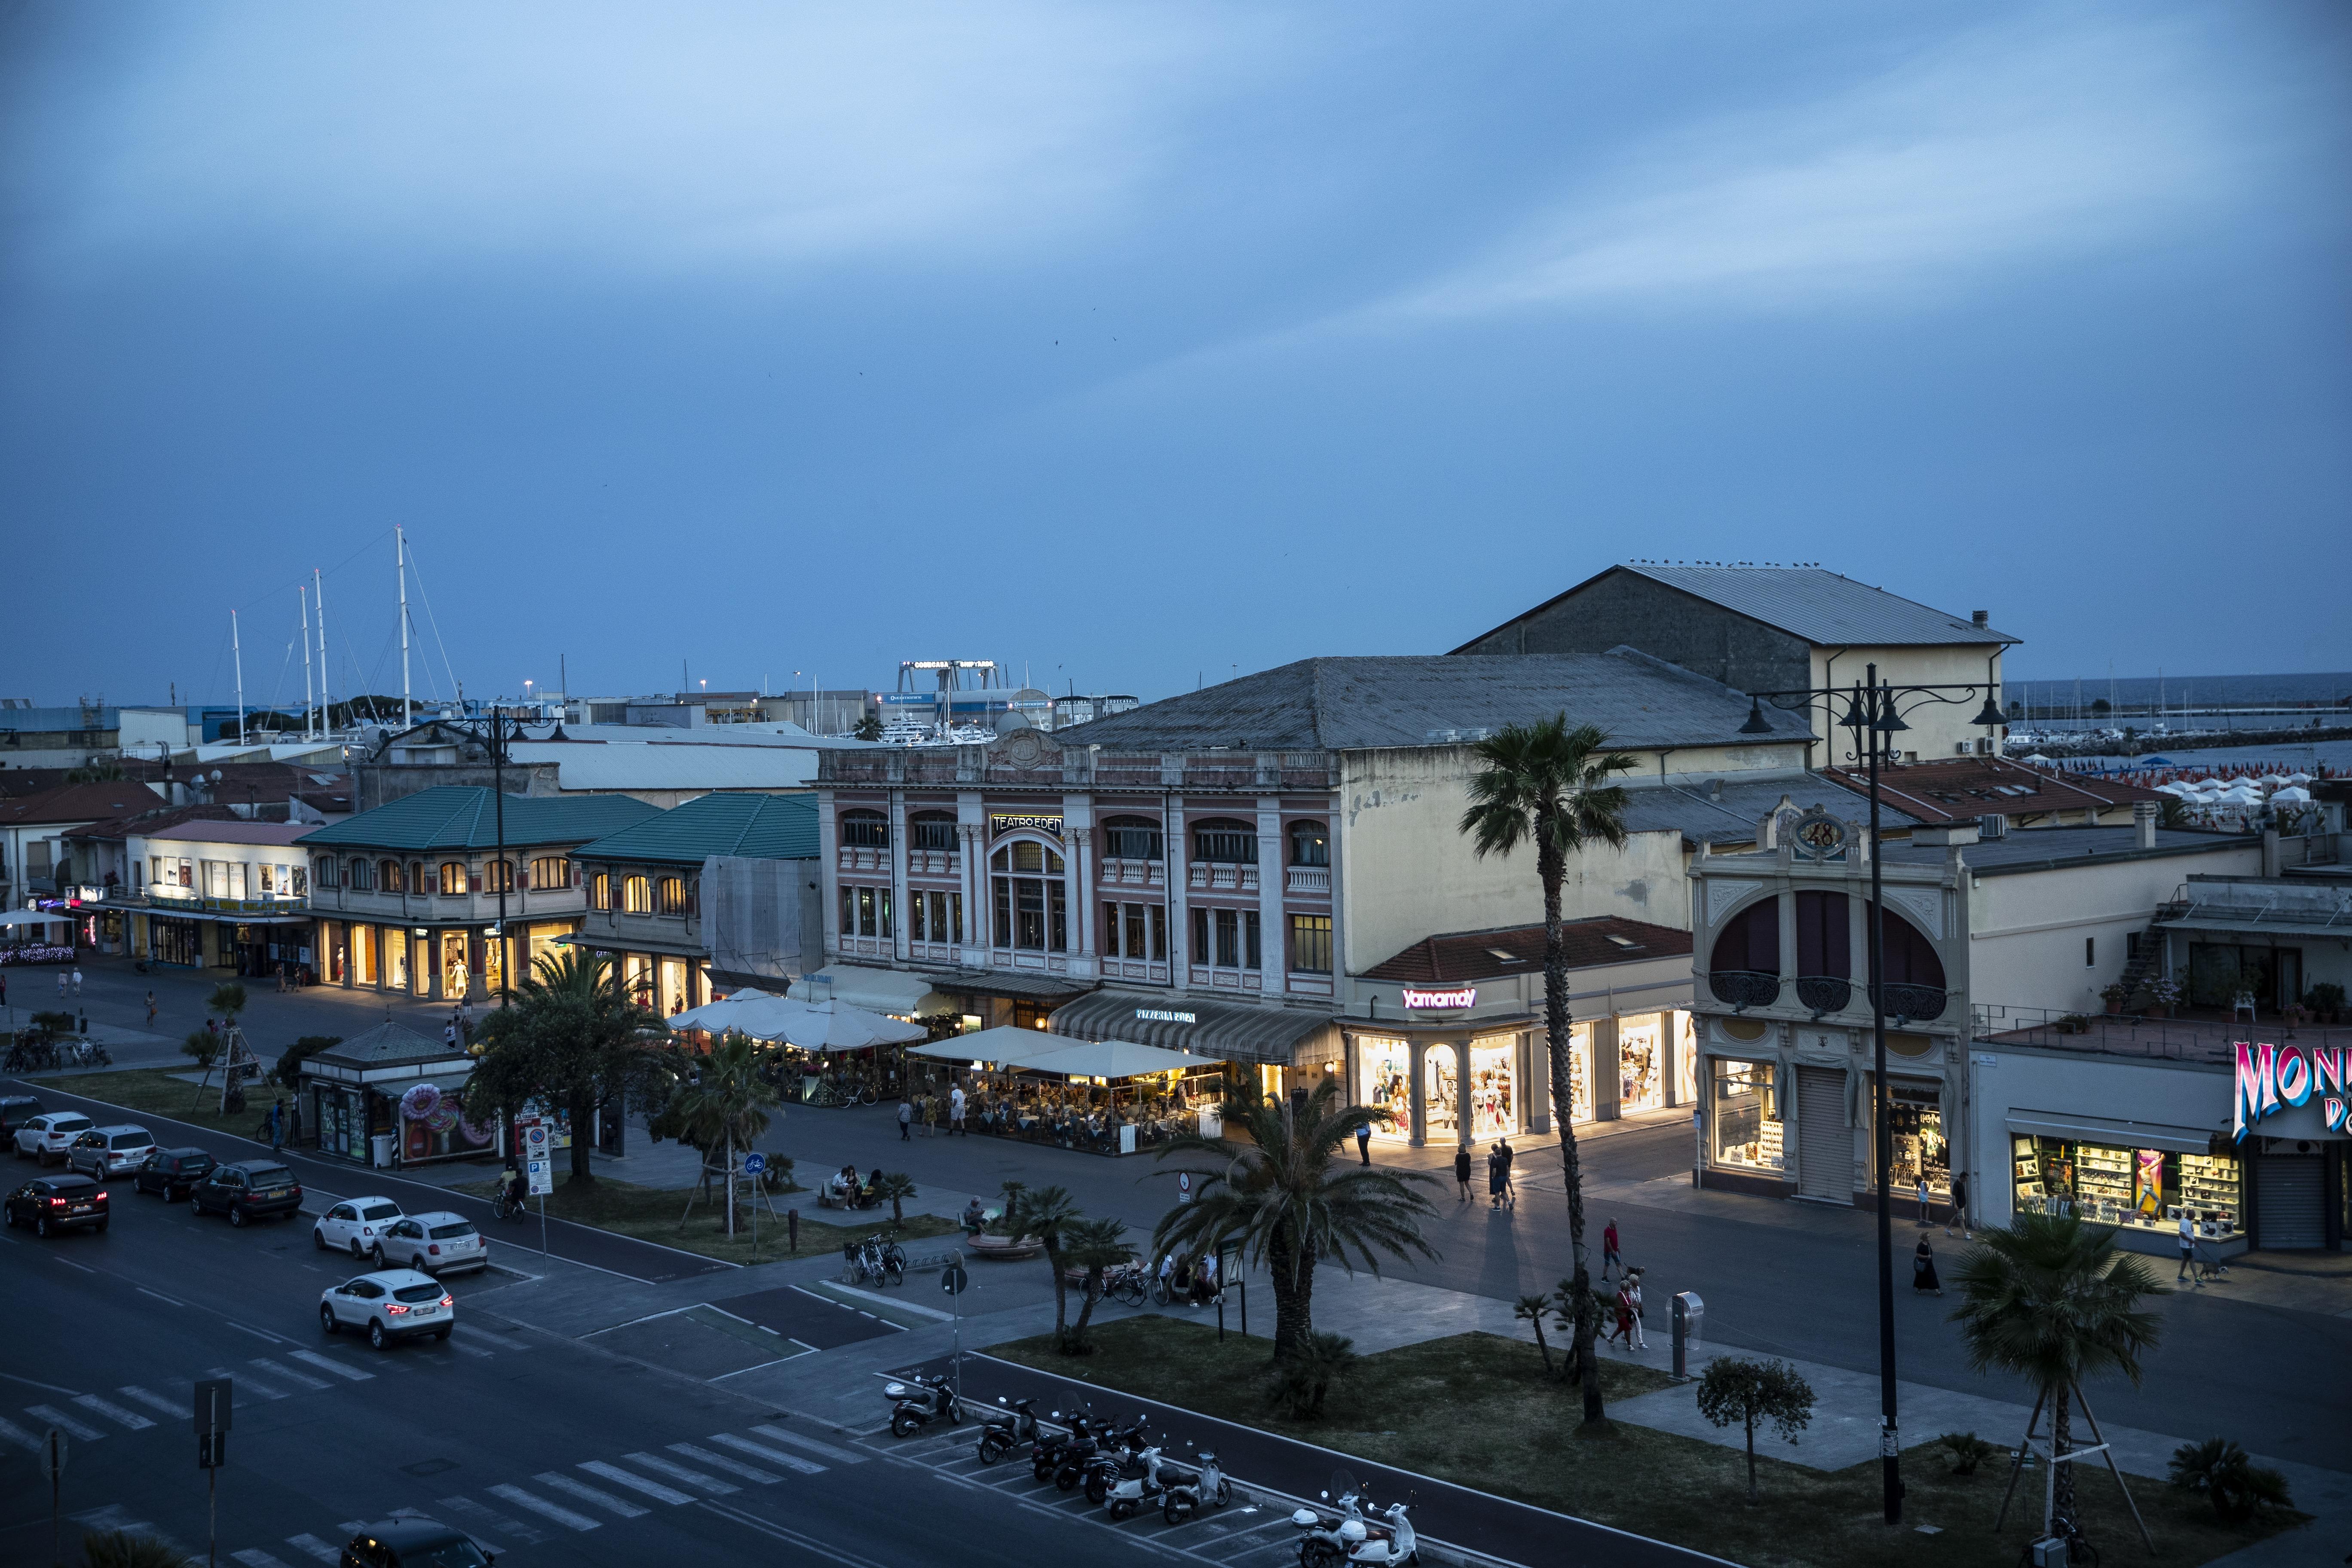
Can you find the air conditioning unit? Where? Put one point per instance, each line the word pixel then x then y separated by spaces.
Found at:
pixel 1992 825
pixel 1964 750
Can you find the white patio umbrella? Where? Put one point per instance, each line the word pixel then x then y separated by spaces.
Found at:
pixel 721 1016
pixel 823 1026
pixel 33 918
pixel 2293 794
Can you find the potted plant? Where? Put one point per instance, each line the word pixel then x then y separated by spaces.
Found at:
pixel 2115 996
pixel 2325 1000
pixel 2164 996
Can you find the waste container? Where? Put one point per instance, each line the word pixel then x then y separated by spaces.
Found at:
pixel 382 1147
pixel 1690 1330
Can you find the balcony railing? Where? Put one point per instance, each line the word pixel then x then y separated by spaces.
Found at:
pixel 857 857
pixel 1216 875
pixel 190 900
pixel 931 862
pixel 1119 872
pixel 1908 1004
pixel 1822 993
pixel 1308 879
pixel 1740 989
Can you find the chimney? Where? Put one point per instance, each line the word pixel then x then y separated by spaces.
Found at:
pixel 1982 617
pixel 2144 823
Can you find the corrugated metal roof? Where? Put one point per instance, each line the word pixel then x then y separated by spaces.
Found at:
pixel 1350 704
pixel 1728 814
pixel 1591 942
pixel 1820 605
pixel 215 832
pixel 460 816
pixel 757 827
pixel 672 766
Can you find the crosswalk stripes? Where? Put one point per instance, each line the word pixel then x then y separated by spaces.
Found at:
pixel 589 1494
pixel 721 1462
pixel 248 1383
pixel 326 1363
pixel 774 1455
pixel 838 1456
pixel 545 1510
pixel 514 1529
pixel 139 1396
pixel 637 1483
pixel 677 1472
pixel 294 1375
pixel 254 1557
pixel 132 1420
pixel 310 1546
pixel 13 1433
pixel 492 1547
pixel 501 1340
pixel 64 1423
pixel 462 1348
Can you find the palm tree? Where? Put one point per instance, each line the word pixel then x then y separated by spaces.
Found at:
pixel 1547 785
pixel 569 1033
pixel 1093 1245
pixel 898 1186
pixel 1047 1214
pixel 1530 1309
pixel 1291 1198
pixel 2052 1300
pixel 728 1105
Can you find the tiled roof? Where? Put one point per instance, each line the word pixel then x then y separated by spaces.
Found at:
pixel 387 1045
pixel 759 826
pixel 152 822
pixel 461 816
pixel 1726 810
pixel 1348 704
pixel 79 803
pixel 1962 789
pixel 1519 950
pixel 1821 606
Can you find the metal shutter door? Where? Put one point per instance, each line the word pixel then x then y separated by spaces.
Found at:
pixel 2289 1189
pixel 1824 1142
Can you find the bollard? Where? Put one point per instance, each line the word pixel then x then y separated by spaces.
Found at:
pixel 792 1227
pixel 1690 1323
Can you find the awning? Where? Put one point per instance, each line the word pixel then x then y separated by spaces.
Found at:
pixel 1106 1059
pixel 37 918
pixel 881 990
pixel 2113 1133
pixel 1000 1044
pixel 1219 1031
pixel 1012 984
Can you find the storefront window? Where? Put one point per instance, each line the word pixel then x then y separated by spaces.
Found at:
pixel 1381 1083
pixel 457 975
pixel 176 941
pixel 494 964
pixel 1440 1093
pixel 1494 1087
pixel 1914 1121
pixel 395 959
pixel 673 985
pixel 1640 1064
pixel 1580 1072
pixel 363 955
pixel 544 943
pixel 1746 1131
pixel 2146 1189
pixel 1685 1058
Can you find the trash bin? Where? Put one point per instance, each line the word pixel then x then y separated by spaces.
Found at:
pixel 1690 1330
pixel 382 1147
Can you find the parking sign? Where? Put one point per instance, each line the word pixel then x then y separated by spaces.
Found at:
pixel 542 1176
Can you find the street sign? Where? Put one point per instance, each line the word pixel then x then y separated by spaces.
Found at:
pixel 53 1449
pixel 534 1139
pixel 216 1400
pixel 754 1163
pixel 953 1279
pixel 542 1176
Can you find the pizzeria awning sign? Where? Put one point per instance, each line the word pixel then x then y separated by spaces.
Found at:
pixel 2274 1079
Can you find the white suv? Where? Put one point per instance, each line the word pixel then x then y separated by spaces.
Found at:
pixel 353 1224
pixel 431 1244
pixel 388 1305
pixel 46 1138
pixel 104 1151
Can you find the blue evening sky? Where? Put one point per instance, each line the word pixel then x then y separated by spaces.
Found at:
pixel 1135 344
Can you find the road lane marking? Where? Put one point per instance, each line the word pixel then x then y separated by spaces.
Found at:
pixel 353 1527
pixel 721 1462
pixel 256 1333
pixel 770 1528
pixel 776 1455
pixel 112 1412
pixel 499 1521
pixel 462 1348
pixel 680 1473
pixel 279 1369
pixel 159 1296
pixel 538 1505
pixel 71 1264
pixel 255 1557
pixel 18 1435
pixel 605 1500
pixel 153 1401
pixel 312 1358
pixel 58 1418
pixel 312 1547
pixel 637 1483
pixel 249 1386
pixel 501 1340
pixel 45 1387
pixel 841 1456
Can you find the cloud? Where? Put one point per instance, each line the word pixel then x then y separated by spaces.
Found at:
pixel 1999 149
pixel 709 138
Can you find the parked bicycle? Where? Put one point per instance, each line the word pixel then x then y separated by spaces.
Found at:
pixel 875 1260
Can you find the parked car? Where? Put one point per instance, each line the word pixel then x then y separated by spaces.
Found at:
pixel 431 1244
pixel 248 1189
pixel 389 1304
pixel 46 1138
pixel 104 1151
pixel 172 1172
pixel 413 1544
pixel 52 1203
pixel 16 1109
pixel 354 1224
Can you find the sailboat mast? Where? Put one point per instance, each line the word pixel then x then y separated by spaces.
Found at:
pixel 307 717
pixel 407 708
pixel 326 696
pixel 236 648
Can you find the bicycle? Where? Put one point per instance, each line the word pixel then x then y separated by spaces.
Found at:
pixel 876 1261
pixel 506 1206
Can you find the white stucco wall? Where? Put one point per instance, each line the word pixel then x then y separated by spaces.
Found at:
pixel 1937 727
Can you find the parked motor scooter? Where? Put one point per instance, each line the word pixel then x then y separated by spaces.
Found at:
pixel 1139 1484
pixel 919 1402
pixel 1102 1471
pixel 1367 1549
pixel 1001 1433
pixel 1046 1455
pixel 1083 1449
pixel 1205 1486
pixel 1320 1543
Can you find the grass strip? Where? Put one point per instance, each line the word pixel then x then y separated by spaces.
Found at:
pixel 1480 1410
pixel 651 1213
pixel 153 1091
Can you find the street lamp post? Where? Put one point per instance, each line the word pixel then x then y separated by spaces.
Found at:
pixel 504 872
pixel 1874 714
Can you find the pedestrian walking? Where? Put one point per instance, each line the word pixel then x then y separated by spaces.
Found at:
pixel 955 1112
pixel 450 1034
pixel 1922 1270
pixel 905 1122
pixel 277 1129
pixel 1926 1204
pixel 1609 1259
pixel 1462 1170
pixel 2189 1270
pixel 61 984
pixel 1494 1176
pixel 77 980
pixel 1632 1294
pixel 3 993
pixel 84 1030
pixel 1364 1141
pixel 294 1122
pixel 1959 1215
pixel 1510 1185
pixel 151 1009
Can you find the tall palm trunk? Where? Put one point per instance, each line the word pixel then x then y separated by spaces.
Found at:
pixel 1292 1278
pixel 583 1143
pixel 1053 1244
pixel 729 1157
pixel 1552 867
pixel 2061 1441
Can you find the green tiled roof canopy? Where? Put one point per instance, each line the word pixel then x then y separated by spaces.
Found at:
pixel 757 827
pixel 455 817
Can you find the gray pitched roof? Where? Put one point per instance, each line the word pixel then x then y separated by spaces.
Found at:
pixel 760 827
pixel 1820 605
pixel 1729 816
pixel 1352 704
pixel 386 1045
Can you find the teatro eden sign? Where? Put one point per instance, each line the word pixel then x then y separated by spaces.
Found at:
pixel 2275 1081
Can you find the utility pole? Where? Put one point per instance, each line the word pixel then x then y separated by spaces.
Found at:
pixel 237 649
pixel 505 871
pixel 326 698
pixel 1882 721
pixel 308 715
pixel 400 552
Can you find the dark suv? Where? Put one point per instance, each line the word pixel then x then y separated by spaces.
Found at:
pixel 52 1203
pixel 172 1172
pixel 413 1544
pixel 16 1109
pixel 248 1190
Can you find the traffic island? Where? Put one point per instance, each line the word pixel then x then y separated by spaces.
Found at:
pixel 1479 1411
pixel 162 1093
pixel 652 1213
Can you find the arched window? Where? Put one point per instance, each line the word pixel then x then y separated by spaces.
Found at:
pixel 388 876
pixel 932 830
pixel 453 879
pixel 363 874
pixel 865 830
pixel 417 881
pixel 636 896
pixel 600 890
pixel 498 877
pixel 1823 937
pixel 1224 841
pixel 330 873
pixel 1906 956
pixel 1752 941
pixel 1310 844
pixel 1131 839
pixel 673 895
pixel 548 872
pixel 1032 902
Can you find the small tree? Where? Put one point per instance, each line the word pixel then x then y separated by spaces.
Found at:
pixel 1093 1245
pixel 1048 1214
pixel 1967 1451
pixel 898 1186
pixel 2227 1474
pixel 1738 1389
pixel 121 1549
pixel 203 1047
pixel 228 1001
pixel 1531 1310
pixel 1298 1386
pixel 289 1070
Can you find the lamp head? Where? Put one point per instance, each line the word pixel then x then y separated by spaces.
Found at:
pixel 1755 724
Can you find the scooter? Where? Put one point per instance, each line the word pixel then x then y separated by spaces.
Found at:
pixel 1102 1470
pixel 1206 1486
pixel 1138 1485
pixel 919 1402
pixel 1046 1455
pixel 1321 1543
pixel 1080 1454
pixel 1398 1546
pixel 1000 1435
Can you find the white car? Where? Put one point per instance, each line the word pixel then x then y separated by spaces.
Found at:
pixel 46 1138
pixel 353 1224
pixel 388 1305
pixel 431 1244
pixel 104 1151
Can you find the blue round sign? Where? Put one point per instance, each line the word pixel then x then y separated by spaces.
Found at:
pixel 754 1163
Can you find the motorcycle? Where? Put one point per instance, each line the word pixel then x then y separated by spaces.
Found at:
pixel 1206 1486
pixel 1093 1458
pixel 1000 1435
pixel 1138 1485
pixel 1046 1455
pixel 1353 1539
pixel 919 1402
pixel 1367 1549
